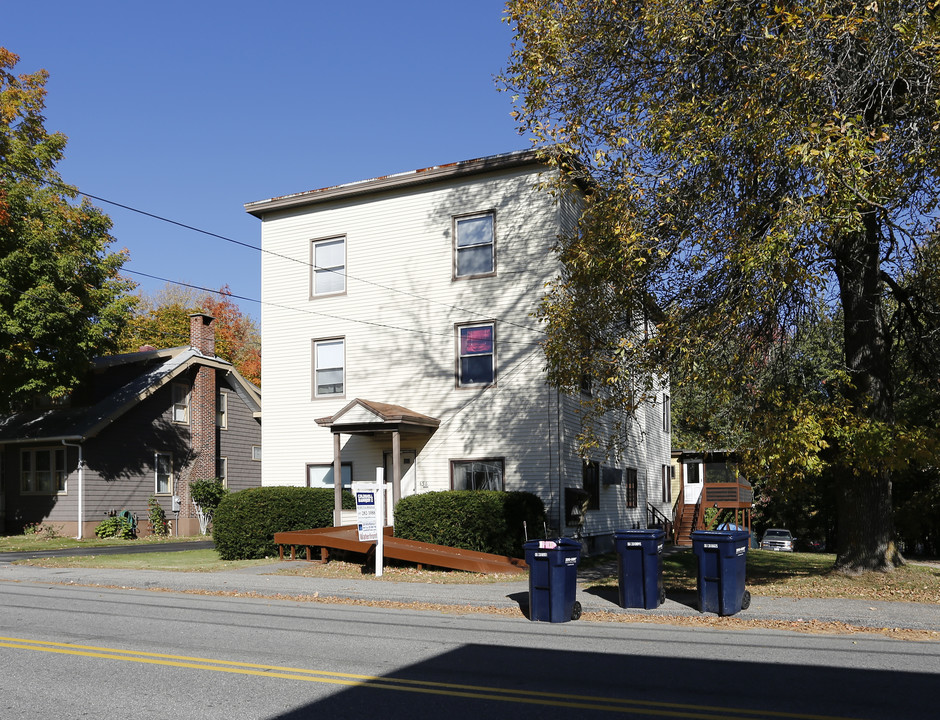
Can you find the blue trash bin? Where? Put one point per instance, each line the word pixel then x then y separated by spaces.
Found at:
pixel 722 565
pixel 640 568
pixel 553 579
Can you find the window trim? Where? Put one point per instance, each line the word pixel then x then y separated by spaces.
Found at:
pixel 338 269
pixel 345 464
pixel 185 402
pixel 667 414
pixel 493 360
pixel 256 456
pixel 667 483
pixel 316 395
pixel 454 462
pixel 171 478
pixel 59 477
pixel 455 271
pixel 221 470
pixel 221 410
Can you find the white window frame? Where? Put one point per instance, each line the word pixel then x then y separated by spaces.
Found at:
pixel 317 369
pixel 327 271
pixel 667 483
pixel 479 465
pixel 461 355
pixel 667 414
pixel 256 453
pixel 325 470
pixel 475 245
pixel 170 479
pixel 221 470
pixel 57 481
pixel 181 403
pixel 221 410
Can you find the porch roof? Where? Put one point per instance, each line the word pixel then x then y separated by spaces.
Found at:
pixel 365 417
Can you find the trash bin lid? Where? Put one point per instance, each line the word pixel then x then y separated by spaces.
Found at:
pixel 650 534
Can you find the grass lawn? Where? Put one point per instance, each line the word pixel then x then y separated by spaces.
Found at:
pixel 200 560
pixel 41 541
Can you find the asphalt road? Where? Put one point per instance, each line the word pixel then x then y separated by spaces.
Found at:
pixel 76 651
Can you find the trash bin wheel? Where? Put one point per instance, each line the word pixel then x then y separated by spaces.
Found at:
pixel 576 610
pixel 662 596
pixel 746 600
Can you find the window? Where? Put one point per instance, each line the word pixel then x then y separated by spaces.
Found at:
pixel 42 471
pixel 321 475
pixel 486 474
pixel 667 484
pixel 221 470
pixel 667 414
pixel 691 473
pixel 328 258
pixel 329 357
pixel 221 410
pixel 591 481
pixel 477 354
pixel 630 487
pixel 475 248
pixel 163 473
pixel 256 453
pixel 180 403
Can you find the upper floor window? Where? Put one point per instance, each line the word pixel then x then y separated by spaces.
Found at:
pixel 476 354
pixel 329 367
pixel 221 410
pixel 42 471
pixel 667 414
pixel 180 403
pixel 477 474
pixel 328 258
pixel 474 245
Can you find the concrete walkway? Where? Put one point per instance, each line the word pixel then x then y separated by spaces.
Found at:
pixel 263 581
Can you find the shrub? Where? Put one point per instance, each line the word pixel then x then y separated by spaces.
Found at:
pixel 244 523
pixel 157 515
pixel 207 494
pixel 115 526
pixel 483 520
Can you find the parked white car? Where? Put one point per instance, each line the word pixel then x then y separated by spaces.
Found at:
pixel 777 539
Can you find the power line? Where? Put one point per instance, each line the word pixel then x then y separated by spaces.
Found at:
pixel 250 246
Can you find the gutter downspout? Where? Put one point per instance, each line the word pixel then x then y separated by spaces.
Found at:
pixel 81 485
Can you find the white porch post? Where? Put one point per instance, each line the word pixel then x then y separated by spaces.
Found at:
pixel 337 482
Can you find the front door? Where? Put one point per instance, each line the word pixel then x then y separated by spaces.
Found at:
pixel 691 482
pixel 409 482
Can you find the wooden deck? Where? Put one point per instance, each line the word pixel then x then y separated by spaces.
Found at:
pixel 346 537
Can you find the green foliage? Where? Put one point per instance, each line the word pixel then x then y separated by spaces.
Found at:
pixel 61 298
pixel 157 516
pixel 244 523
pixel 482 520
pixel 207 494
pixel 115 526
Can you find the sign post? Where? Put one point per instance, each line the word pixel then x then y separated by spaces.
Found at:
pixel 370 515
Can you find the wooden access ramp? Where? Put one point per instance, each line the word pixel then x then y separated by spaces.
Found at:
pixel 346 537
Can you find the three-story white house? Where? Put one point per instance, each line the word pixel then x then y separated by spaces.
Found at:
pixel 398 332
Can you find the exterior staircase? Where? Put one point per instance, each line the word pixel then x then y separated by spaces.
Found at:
pixel 685 524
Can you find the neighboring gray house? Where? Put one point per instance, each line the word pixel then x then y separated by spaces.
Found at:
pixel 141 424
pixel 399 333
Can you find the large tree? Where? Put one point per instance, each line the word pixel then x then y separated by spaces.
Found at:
pixel 162 320
pixel 756 167
pixel 61 297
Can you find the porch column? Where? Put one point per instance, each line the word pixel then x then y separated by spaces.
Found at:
pixel 337 482
pixel 396 468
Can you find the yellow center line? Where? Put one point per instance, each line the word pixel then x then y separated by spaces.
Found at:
pixel 606 704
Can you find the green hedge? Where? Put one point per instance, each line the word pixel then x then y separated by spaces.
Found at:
pixel 482 520
pixel 244 523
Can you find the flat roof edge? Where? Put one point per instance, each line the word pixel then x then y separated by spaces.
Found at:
pixel 433 174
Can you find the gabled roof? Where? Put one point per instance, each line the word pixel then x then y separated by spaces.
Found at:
pixel 159 367
pixel 364 416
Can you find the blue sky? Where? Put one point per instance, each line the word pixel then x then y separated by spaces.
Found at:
pixel 188 110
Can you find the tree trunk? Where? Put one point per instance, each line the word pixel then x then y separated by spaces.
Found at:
pixel 865 514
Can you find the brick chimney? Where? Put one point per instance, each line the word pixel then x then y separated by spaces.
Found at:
pixel 202 333
pixel 202 417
